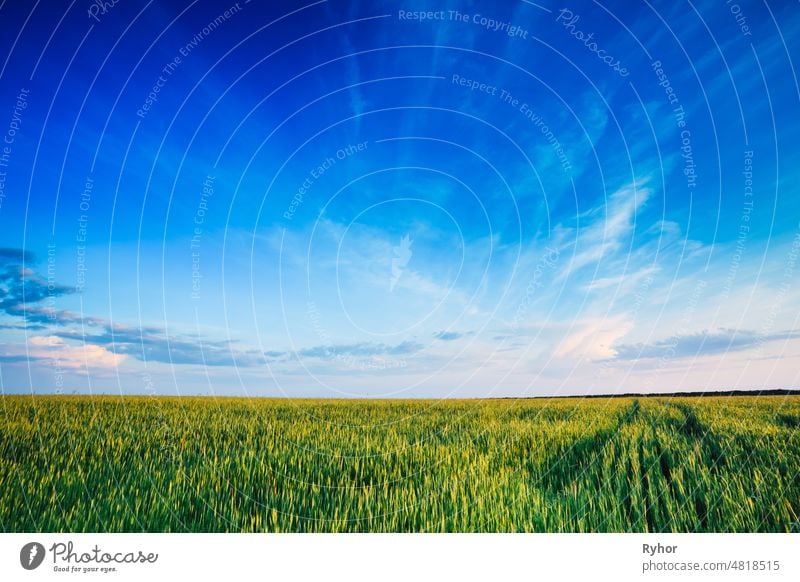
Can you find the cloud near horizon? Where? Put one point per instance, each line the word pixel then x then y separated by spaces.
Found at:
pixel 701 344
pixel 102 343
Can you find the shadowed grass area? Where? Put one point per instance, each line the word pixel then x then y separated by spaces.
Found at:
pixel 129 464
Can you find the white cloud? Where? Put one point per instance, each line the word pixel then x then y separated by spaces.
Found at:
pixel 72 356
pixel 594 340
pixel 605 235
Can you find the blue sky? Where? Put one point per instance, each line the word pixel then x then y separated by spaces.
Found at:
pixel 399 199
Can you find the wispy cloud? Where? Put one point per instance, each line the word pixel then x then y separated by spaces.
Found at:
pixel 603 236
pixel 363 349
pixel 701 344
pixel 153 344
pixel 449 336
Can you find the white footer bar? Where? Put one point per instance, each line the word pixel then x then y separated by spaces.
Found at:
pixel 371 557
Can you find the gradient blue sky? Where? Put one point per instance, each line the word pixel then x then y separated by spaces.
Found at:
pixel 560 230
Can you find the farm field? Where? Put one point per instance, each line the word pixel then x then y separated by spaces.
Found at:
pixel 130 464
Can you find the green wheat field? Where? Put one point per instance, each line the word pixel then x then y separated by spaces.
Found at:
pixel 130 464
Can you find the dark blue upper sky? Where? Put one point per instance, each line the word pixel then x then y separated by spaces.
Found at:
pixel 398 198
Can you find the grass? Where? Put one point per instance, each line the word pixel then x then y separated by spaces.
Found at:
pixel 720 464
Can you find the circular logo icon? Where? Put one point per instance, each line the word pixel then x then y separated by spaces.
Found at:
pixel 31 555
